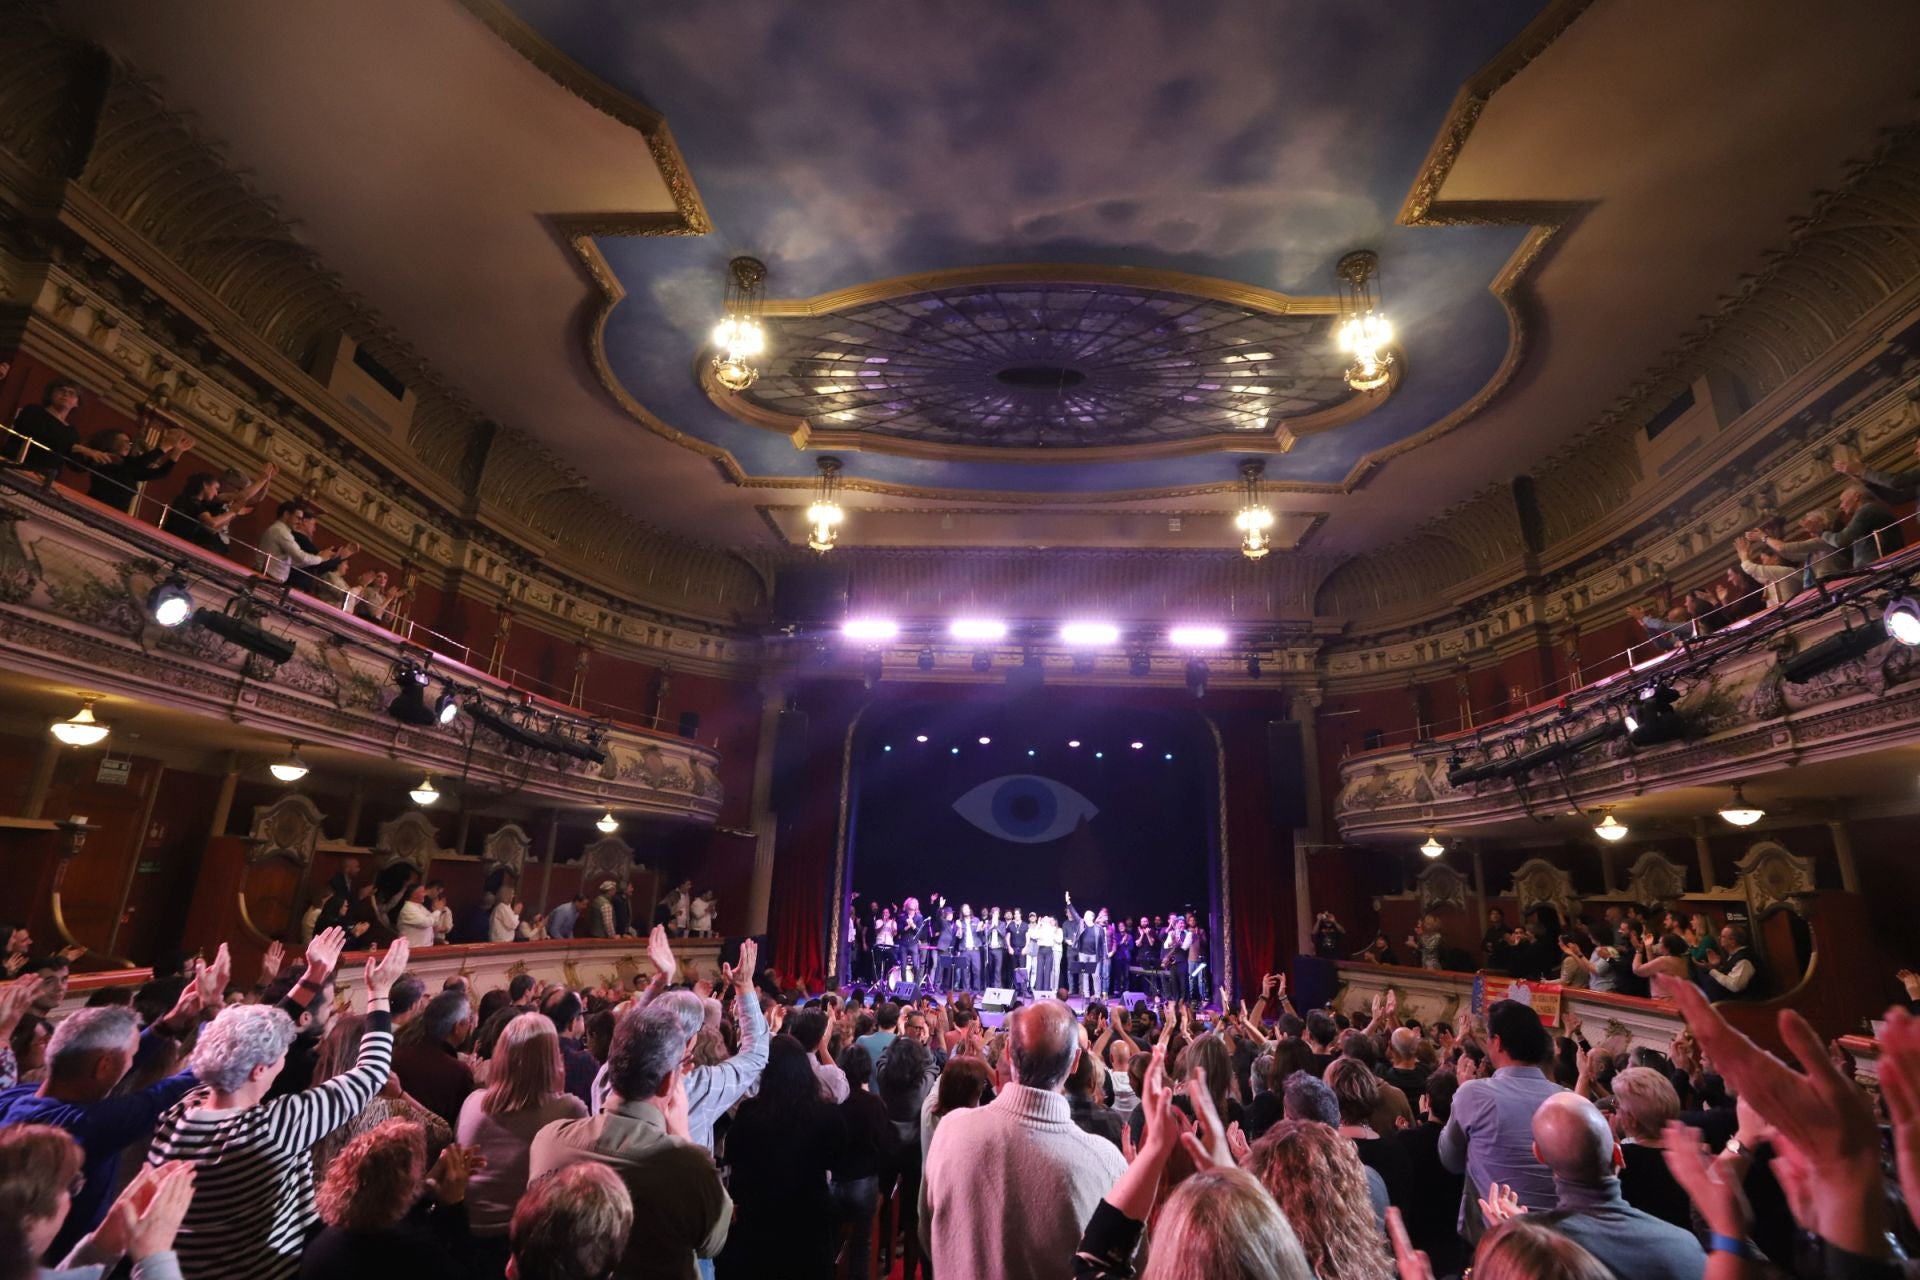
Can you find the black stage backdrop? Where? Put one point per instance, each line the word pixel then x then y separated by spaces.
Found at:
pixel 1131 829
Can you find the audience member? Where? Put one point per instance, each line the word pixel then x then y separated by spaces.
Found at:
pixel 1316 1177
pixel 782 1143
pixel 572 1224
pixel 431 1068
pixel 1488 1135
pixel 389 1218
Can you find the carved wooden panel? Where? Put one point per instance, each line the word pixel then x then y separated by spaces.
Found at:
pixel 1656 879
pixel 410 838
pixel 1770 876
pixel 1438 886
pixel 1538 883
pixel 608 858
pixel 507 848
pixel 289 828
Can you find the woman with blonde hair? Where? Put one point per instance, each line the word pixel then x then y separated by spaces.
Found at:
pixel 1645 1103
pixel 386 1215
pixel 1521 1250
pixel 1316 1177
pixel 526 1091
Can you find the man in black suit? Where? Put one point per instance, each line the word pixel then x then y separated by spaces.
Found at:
pixel 973 935
pixel 949 959
pixel 1092 950
pixel 1072 925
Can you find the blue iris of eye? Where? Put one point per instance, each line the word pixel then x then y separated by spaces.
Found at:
pixel 1025 808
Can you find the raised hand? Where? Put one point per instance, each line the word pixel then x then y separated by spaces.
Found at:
pixel 212 978
pixel 1500 1203
pixel 1410 1263
pixel 1239 1145
pixel 1900 1086
pixel 1715 1192
pixel 447 1181
pixel 381 974
pixel 750 960
pixel 167 1198
pixel 323 953
pixel 660 951
pixel 15 999
pixel 1207 1144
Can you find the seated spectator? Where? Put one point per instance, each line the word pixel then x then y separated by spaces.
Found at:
pixel 1316 1177
pixel 1572 1140
pixel 571 1224
pixel 1645 1103
pixel 431 1068
pixel 681 1208
pixel 387 1217
pixel 116 483
pixel 525 1093
pixel 38 1166
pixel 254 1208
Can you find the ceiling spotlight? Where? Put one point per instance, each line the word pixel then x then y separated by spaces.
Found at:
pixel 1073 742
pixel 1432 848
pixel 1089 633
pixel 1140 663
pixel 977 629
pixel 739 337
pixel 292 769
pixel 170 603
pixel 409 705
pixel 447 706
pixel 982 661
pixel 1197 676
pixel 1365 333
pixel 954 750
pixel 870 628
pixel 824 516
pixel 925 660
pixel 986 742
pixel 1031 752
pixel 1902 620
pixel 1653 720
pixel 1609 827
pixel 608 824
pixel 1099 755
pixel 424 794
pixel 1197 637
pixel 1137 746
pixel 919 737
pixel 82 730
pixel 1740 813
pixel 1253 520
pixel 1169 755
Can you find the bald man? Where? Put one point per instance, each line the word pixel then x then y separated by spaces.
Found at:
pixel 1573 1140
pixel 1010 1186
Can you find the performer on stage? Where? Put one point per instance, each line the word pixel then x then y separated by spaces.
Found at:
pixel 1019 965
pixel 912 923
pixel 996 952
pixel 1196 962
pixel 1121 962
pixel 1146 958
pixel 1174 957
pixel 948 942
pixel 1091 954
pixel 971 936
pixel 1070 930
pixel 1046 965
pixel 885 955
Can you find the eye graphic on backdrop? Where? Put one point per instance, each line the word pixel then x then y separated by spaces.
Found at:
pixel 1025 808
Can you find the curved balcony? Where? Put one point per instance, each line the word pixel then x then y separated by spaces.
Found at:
pixel 74 583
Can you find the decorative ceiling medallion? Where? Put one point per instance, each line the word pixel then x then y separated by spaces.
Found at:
pixel 1041 369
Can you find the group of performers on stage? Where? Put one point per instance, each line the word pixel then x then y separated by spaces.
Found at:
pixel 1082 953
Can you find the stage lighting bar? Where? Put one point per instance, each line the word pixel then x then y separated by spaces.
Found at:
pixel 409 705
pixel 506 729
pixel 869 628
pixel 1198 637
pixel 1843 646
pixel 170 603
pixel 977 629
pixel 1089 634
pixel 252 637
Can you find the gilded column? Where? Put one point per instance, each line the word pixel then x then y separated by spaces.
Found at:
pixel 763 819
pixel 1314 833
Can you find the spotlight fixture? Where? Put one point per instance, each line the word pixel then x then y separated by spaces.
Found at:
pixel 447 707
pixel 1902 620
pixel 246 634
pixel 424 794
pixel 977 629
pixel 1253 520
pixel 503 727
pixel 1140 663
pixel 869 628
pixel 1365 333
pixel 1609 827
pixel 1073 742
pixel 982 661
pixel 1137 746
pixel 82 730
pixel 1653 720
pixel 1840 647
pixel 1198 637
pixel 872 668
pixel 739 337
pixel 170 603
pixel 986 741
pixel 609 824
pixel 409 705
pixel 292 769
pixel 825 515
pixel 1089 634
pixel 1197 676
pixel 1432 848
pixel 919 737
pixel 1739 812
pixel 925 660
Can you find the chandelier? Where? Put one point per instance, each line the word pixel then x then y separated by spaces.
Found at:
pixel 1254 521
pixel 81 730
pixel 739 337
pixel 1365 333
pixel 1432 848
pixel 825 515
pixel 1609 827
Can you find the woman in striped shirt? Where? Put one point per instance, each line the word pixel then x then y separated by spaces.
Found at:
pixel 253 1205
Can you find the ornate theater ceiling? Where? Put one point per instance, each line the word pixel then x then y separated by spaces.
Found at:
pixel 1033 218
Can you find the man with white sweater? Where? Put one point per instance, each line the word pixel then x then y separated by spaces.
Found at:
pixel 1011 1186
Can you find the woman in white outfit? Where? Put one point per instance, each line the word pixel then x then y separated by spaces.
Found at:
pixel 504 924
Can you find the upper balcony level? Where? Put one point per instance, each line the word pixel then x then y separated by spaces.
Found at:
pixel 1815 693
pixel 76 585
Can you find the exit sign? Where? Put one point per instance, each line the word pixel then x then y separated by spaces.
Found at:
pixel 114 773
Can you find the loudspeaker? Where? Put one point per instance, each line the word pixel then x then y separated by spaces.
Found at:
pixel 1286 775
pixel 689 724
pixel 789 760
pixel 996 999
pixel 903 992
pixel 814 595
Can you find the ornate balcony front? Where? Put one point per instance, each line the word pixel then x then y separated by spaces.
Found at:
pixel 74 588
pixel 1797 687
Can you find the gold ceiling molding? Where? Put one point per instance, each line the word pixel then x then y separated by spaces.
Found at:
pixel 607 100
pixel 1146 279
pixel 1315 520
